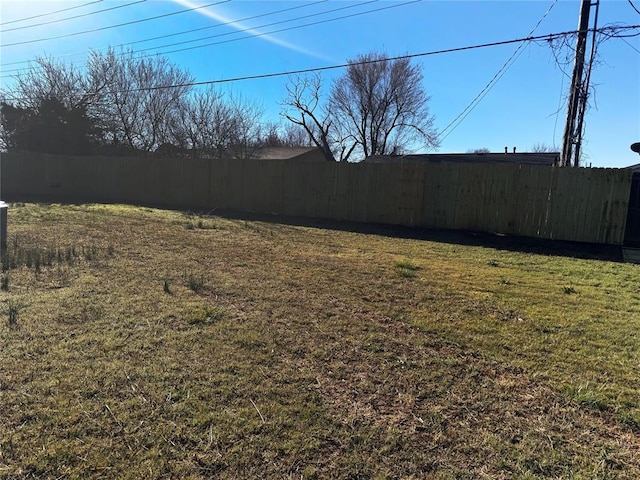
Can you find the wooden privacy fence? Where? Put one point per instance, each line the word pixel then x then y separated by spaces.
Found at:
pixel 578 204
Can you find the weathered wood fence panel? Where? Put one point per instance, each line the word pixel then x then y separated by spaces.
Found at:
pixel 588 205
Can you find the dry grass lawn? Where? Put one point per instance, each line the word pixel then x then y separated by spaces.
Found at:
pixel 140 343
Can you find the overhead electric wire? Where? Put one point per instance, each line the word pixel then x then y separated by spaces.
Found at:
pixel 222 24
pixel 25 42
pixel 471 106
pixel 634 7
pixel 638 51
pixel 627 36
pixel 549 36
pixel 50 13
pixel 74 17
pixel 555 123
pixel 583 93
pixel 395 5
pixel 280 22
pixel 546 37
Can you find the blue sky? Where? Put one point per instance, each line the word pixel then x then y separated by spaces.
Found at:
pixel 526 106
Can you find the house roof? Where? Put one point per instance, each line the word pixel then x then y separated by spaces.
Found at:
pixel 635 168
pixel 519 158
pixel 284 153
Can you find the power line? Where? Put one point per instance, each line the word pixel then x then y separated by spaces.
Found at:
pixel 50 13
pixel 627 36
pixel 207 27
pixel 625 41
pixel 74 17
pixel 471 106
pixel 221 24
pixel 634 7
pixel 549 36
pixel 280 23
pixel 113 26
pixel 546 37
pixel 395 5
pixel 555 124
pixel 583 93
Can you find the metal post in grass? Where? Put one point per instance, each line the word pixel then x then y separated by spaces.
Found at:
pixel 3 225
pixel 3 216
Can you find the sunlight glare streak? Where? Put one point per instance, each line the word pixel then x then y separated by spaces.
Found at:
pixel 239 26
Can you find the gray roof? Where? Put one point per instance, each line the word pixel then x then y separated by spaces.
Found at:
pixel 519 158
pixel 283 153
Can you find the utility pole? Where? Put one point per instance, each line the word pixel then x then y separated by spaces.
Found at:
pixel 572 138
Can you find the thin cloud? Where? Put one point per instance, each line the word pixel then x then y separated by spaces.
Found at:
pixel 243 28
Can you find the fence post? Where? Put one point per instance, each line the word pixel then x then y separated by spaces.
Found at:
pixel 3 225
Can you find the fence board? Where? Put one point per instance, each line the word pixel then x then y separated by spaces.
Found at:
pixel 587 205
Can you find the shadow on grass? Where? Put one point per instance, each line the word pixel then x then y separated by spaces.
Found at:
pixel 587 251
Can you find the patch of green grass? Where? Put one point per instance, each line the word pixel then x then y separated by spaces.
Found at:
pixel 195 282
pixel 25 252
pixel 13 312
pixel 301 356
pixel 206 315
pixel 585 394
pixel 406 268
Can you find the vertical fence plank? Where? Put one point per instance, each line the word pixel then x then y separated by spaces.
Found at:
pixel 580 204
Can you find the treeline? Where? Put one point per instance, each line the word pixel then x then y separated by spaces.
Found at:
pixel 124 103
pixel 127 104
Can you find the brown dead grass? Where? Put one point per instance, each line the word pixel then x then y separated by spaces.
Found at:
pixel 304 353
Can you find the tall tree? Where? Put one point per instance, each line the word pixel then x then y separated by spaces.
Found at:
pixel 141 98
pixel 203 124
pixel 51 111
pixel 302 108
pixel 48 127
pixel 247 127
pixel 378 107
pixel 50 79
pixel 293 135
pixel 381 106
pixel 15 122
pixel 215 125
pixel 287 134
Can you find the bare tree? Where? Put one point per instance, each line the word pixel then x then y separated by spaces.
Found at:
pixel 302 108
pixel 211 124
pixel 204 124
pixel 246 127
pixel 270 135
pixel 378 107
pixel 274 134
pixel 141 98
pixel 129 103
pixel 51 111
pixel 50 79
pixel 295 136
pixel 544 148
pixel 381 106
